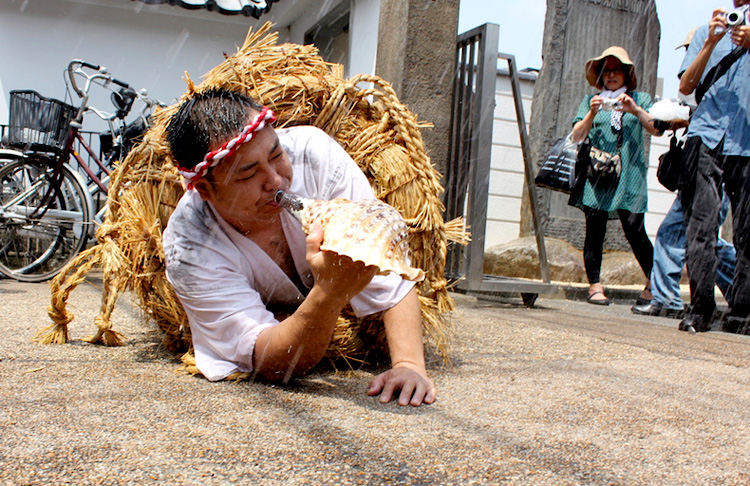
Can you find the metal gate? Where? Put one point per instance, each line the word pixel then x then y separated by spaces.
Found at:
pixel 468 171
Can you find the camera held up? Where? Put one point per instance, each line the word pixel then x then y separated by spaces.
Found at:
pixel 737 17
pixel 609 105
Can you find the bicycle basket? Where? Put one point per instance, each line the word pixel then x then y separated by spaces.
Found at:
pixel 38 123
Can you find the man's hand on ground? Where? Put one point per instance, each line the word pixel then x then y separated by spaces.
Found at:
pixel 414 386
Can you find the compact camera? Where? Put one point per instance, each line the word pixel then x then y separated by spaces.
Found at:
pixel 609 105
pixel 737 18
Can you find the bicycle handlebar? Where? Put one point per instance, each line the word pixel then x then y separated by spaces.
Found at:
pixel 94 72
pixel 120 83
pixel 101 113
pixel 150 102
pixel 142 95
pixel 95 67
pixel 75 67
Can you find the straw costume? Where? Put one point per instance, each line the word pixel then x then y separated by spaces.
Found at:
pixel 374 128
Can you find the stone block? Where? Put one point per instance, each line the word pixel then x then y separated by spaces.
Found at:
pixel 621 268
pixel 520 258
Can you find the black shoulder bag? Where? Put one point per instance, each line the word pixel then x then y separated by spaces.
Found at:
pixel 717 72
pixel 668 172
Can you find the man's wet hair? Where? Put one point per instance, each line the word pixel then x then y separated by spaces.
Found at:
pixel 214 115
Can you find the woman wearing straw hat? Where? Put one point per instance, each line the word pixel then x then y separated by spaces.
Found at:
pixel 618 130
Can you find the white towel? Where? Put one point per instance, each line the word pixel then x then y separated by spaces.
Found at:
pixel 616 117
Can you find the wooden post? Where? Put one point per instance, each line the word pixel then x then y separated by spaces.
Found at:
pixel 416 54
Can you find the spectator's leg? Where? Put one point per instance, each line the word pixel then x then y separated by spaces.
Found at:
pixel 596 229
pixel 726 255
pixel 701 199
pixel 737 181
pixel 669 258
pixel 633 224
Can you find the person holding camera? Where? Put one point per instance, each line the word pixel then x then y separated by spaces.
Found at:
pixel 669 250
pixel 717 151
pixel 613 122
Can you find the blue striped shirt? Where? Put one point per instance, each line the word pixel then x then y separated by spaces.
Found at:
pixel 723 112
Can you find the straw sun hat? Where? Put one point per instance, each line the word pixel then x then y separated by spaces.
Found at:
pixel 594 67
pixel 687 40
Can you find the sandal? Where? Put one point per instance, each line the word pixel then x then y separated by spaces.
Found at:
pixel 604 301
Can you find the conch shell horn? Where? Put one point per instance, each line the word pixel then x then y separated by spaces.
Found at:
pixel 367 231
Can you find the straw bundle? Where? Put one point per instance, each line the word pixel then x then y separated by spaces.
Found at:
pixel 380 134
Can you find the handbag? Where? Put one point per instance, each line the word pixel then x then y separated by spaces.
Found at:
pixel 668 172
pixel 558 169
pixel 604 168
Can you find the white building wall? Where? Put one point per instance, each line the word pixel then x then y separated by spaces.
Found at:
pixel 507 169
pixel 659 198
pixel 148 46
pixel 363 36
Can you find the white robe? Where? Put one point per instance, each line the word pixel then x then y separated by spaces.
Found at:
pixel 225 281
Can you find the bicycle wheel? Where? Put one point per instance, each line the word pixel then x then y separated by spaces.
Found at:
pixel 37 240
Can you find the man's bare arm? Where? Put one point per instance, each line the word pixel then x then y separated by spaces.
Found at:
pixel 692 75
pixel 407 379
pixel 299 342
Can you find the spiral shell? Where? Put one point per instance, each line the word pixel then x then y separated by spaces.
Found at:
pixel 367 231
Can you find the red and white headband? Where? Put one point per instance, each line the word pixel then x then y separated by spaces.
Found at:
pixel 227 149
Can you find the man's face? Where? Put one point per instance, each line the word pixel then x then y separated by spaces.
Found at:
pixel 242 187
pixel 740 3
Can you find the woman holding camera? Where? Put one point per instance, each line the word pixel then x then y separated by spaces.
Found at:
pixel 613 121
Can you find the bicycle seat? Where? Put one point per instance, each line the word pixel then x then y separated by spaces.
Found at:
pixel 123 101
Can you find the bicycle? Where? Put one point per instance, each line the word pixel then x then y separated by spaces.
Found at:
pixel 47 207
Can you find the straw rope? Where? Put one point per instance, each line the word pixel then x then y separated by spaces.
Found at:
pixel 372 125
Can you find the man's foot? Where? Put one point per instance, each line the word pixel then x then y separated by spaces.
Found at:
pixel 597 298
pixel 694 323
pixel 653 309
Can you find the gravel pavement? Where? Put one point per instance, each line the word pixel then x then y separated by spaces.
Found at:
pixel 563 394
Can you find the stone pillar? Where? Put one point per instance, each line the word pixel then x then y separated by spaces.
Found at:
pixel 575 31
pixel 416 54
